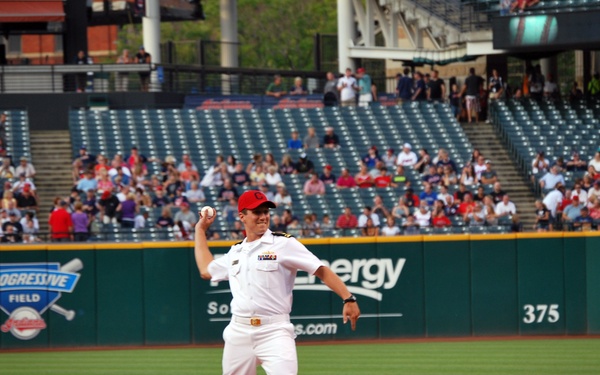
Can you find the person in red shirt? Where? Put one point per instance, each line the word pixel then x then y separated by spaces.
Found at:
pixel 347 220
pixel 363 178
pixel 61 226
pixel 412 201
pixel 438 217
pixel 346 180
pixel 467 205
pixel 384 179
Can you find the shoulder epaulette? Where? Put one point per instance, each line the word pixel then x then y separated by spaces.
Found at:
pixel 283 234
pixel 238 243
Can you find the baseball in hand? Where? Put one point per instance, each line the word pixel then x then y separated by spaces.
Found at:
pixel 208 212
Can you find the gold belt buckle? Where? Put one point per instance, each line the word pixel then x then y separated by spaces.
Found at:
pixel 255 322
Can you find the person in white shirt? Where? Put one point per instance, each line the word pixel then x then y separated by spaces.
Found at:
pixel 368 213
pixel 139 222
pixel 406 158
pixel 506 207
pixel 579 192
pixel 391 229
pixel 479 167
pixel 347 86
pixel 423 216
pixel 594 165
pixel 554 198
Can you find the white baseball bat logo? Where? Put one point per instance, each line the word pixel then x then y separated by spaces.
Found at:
pixel 74 265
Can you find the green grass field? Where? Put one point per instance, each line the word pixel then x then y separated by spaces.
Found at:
pixel 562 356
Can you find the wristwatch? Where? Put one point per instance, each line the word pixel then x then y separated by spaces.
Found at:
pixel 350 299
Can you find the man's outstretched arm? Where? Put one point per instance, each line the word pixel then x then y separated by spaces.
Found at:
pixel 201 250
pixel 351 311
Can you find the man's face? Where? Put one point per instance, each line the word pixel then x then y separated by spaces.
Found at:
pixel 348 72
pixel 505 199
pixel 256 221
pixel 330 76
pixel 277 80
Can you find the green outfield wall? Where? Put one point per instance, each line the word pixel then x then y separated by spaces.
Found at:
pixel 55 296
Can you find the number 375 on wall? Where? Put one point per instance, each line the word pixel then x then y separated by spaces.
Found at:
pixel 541 313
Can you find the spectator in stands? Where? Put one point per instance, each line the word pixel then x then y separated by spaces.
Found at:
pixel 345 180
pixel 129 208
pixel 257 176
pixel 326 225
pixel 553 199
pixel 371 158
pixel 437 87
pixel 422 215
pixel 401 210
pixel 572 211
pixel 25 167
pixel 3 126
pixel 449 176
pixel 331 94
pixel 286 166
pixel 390 228
pixel 122 78
pixel 368 214
pixel 304 166
pixel 227 191
pixel 472 88
pixel 22 183
pixel 272 177
pixel 489 210
pixel 294 143
pixel 594 191
pixel 82 80
pixel 240 177
pixel 576 164
pixel 264 187
pixel 310 227
pixel 366 88
pixel 536 82
pixel 159 200
pixel 330 139
pixel 384 180
pixel 165 220
pixel 109 205
pixel 594 166
pixel 12 228
pixel 420 87
pixel 411 199
pixel 314 186
pixel 379 208
pixel 141 219
pixel 475 217
pixel 443 195
pixel 185 160
pixel 282 197
pixel 455 101
pixel 489 176
pixel 186 215
pixel 8 199
pixel 27 200
pixel 551 91
pixel 432 177
pixel 104 182
pixel 298 88
pixel 451 206
pixel 478 197
pixel 575 94
pixel 583 222
pixel 578 191
pixel 214 175
pixel 495 90
pixel 172 185
pixel 89 204
pixel 428 195
pixel 540 164
pixel 311 140
pixel 3 148
pixel 595 210
pixel 143 57
pixel 276 224
pixel 88 182
pixel 80 223
pixel 348 87
pixel 399 178
pixel 542 217
pixel 423 162
pixel 369 229
pixel 466 204
pixel 467 176
pixel 410 226
pixel 31 227
pixel 497 193
pixel 327 176
pixel 520 5
pixel 407 157
pixel 189 174
pixel 438 216
pixel 60 224
pixel 405 87
pixel 389 159
pixel 347 220
pixel 444 160
pixel 6 170
pixel 364 179
pixel 276 88
pixel 550 179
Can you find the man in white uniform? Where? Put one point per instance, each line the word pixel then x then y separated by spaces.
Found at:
pixel 407 157
pixel 261 271
pixel 347 87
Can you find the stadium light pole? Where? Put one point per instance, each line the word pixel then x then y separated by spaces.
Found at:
pixel 229 42
pixel 151 31
pixel 346 28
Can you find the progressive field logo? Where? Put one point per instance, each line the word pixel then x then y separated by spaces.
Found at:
pixel 27 290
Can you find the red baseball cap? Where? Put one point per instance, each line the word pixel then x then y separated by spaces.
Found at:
pixel 252 199
pixel 360 70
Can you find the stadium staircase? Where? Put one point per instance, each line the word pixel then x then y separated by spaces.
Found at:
pixel 483 137
pixel 51 156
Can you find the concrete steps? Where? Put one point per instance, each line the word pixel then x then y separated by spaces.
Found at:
pixel 52 158
pixel 483 137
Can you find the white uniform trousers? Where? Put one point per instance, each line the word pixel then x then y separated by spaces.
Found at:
pixel 270 345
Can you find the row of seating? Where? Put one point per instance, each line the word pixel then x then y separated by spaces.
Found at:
pixel 18 141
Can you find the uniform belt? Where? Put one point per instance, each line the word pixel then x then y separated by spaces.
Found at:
pixel 261 320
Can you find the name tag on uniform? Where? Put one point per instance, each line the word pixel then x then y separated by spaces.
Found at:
pixel 267 255
pixel 235 262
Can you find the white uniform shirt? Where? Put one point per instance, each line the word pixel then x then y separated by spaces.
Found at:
pixel 552 200
pixel 509 208
pixel 406 159
pixel 348 92
pixel 261 274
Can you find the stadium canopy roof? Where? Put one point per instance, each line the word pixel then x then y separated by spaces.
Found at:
pixel 23 11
